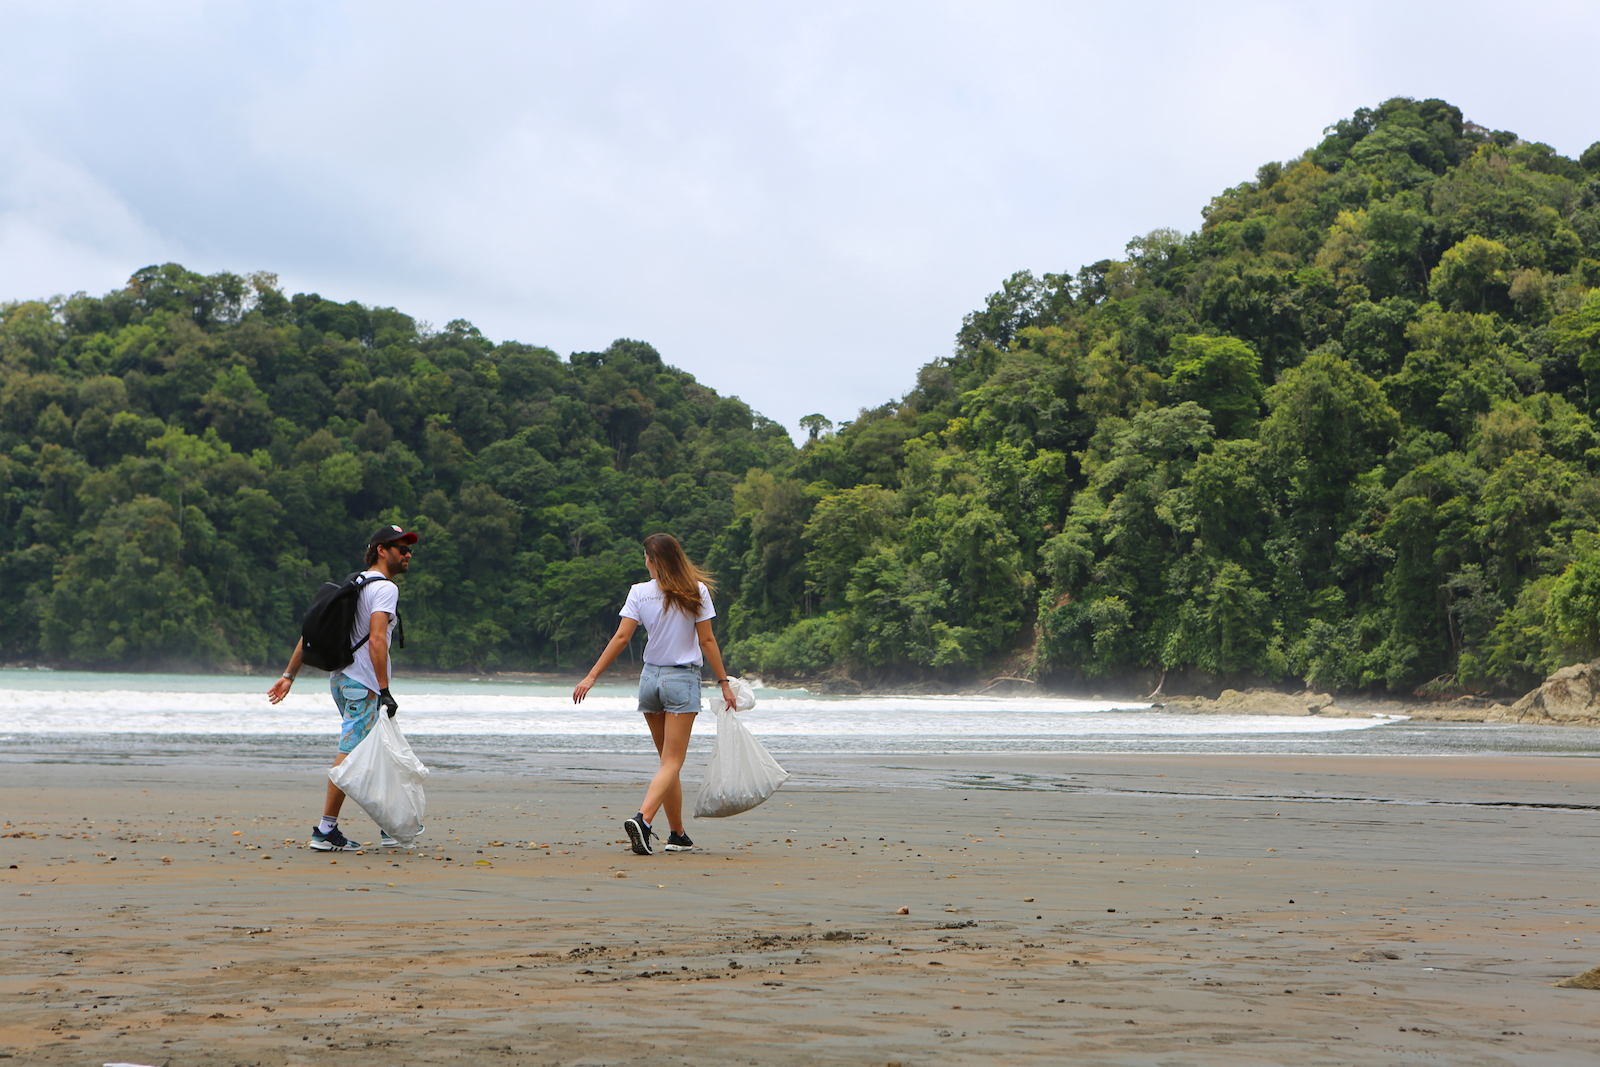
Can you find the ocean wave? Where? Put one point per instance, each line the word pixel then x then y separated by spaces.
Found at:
pixel 130 711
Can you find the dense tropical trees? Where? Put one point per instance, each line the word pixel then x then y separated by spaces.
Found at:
pixel 182 461
pixel 1344 433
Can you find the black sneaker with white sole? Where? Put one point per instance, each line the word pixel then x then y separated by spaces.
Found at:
pixel 678 842
pixel 639 835
pixel 332 841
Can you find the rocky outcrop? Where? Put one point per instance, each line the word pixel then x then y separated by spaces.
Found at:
pixel 1261 702
pixel 1461 709
pixel 835 685
pixel 1569 697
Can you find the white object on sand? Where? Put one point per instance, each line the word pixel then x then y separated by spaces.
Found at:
pixel 741 773
pixel 385 777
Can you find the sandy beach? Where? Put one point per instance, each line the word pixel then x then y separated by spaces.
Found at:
pixel 1059 909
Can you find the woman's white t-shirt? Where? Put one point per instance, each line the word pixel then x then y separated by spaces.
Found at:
pixel 673 641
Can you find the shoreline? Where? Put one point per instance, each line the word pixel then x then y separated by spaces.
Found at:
pixel 1106 909
pixel 1259 701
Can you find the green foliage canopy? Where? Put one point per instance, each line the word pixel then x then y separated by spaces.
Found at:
pixel 1343 433
pixel 183 460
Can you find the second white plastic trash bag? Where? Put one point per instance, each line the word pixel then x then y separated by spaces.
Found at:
pixel 741 773
pixel 384 776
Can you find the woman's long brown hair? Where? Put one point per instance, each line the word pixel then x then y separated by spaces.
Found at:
pixel 678 578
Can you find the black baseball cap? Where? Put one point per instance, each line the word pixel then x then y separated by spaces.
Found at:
pixel 392 535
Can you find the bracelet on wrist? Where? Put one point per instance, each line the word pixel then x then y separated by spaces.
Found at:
pixel 287 675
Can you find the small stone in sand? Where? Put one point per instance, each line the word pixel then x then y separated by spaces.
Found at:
pixel 1373 955
pixel 902 911
pixel 1589 979
pixel 1027 900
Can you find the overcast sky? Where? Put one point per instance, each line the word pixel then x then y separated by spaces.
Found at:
pixel 796 203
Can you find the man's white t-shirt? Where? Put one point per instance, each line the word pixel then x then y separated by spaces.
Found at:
pixel 673 641
pixel 379 595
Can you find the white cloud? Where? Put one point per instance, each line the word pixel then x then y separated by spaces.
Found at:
pixel 62 229
pixel 795 203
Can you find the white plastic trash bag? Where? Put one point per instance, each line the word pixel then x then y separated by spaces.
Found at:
pixel 384 776
pixel 744 698
pixel 741 773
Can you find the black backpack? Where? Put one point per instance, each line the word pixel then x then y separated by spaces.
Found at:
pixel 325 629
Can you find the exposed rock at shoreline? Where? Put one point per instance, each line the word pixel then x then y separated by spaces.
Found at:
pixel 839 685
pixel 1461 709
pixel 1263 702
pixel 1569 697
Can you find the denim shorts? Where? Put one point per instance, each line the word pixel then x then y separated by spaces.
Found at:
pixel 358 709
pixel 675 690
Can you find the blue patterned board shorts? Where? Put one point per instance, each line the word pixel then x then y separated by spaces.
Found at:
pixel 675 690
pixel 358 709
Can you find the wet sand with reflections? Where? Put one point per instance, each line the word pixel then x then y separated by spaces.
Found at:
pixel 1058 909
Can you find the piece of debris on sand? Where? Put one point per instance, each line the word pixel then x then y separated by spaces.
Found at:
pixel 1589 979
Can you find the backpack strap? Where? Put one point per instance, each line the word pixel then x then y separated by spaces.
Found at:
pixel 361 582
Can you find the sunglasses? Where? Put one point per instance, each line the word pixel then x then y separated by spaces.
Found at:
pixel 404 550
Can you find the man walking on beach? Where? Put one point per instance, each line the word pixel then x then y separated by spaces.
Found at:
pixel 360 688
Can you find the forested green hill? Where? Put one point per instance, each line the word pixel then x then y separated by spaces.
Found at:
pixel 1342 434
pixel 183 461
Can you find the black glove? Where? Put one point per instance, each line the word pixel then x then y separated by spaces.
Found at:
pixel 387 700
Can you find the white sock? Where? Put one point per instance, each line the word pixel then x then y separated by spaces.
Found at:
pixel 328 824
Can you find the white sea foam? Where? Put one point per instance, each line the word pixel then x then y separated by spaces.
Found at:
pixel 226 708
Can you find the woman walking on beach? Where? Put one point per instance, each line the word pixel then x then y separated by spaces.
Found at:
pixel 675 608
